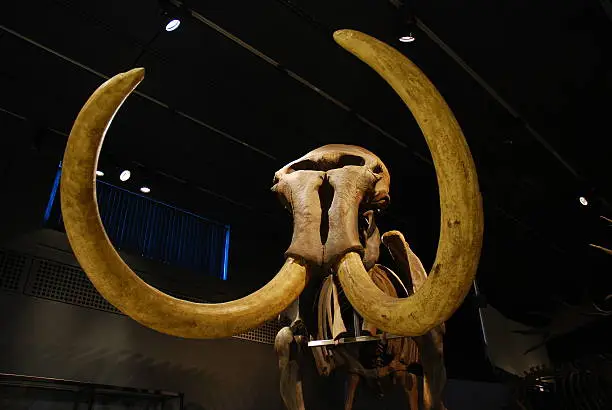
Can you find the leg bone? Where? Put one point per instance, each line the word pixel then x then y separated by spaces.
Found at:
pixel 290 382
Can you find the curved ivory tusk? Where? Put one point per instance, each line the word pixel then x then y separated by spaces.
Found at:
pixel 112 277
pixel 460 203
pixel 601 248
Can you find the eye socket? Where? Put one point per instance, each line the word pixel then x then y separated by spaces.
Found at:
pixel 347 159
pixel 377 169
pixel 383 202
pixel 305 165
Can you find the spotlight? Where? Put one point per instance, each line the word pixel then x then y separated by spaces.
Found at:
pixel 173 24
pixel 171 14
pixel 583 201
pixel 125 175
pixel 145 190
pixel 99 173
pixel 406 25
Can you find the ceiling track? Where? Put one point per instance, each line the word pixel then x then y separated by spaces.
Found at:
pixel 293 75
pixel 514 113
pixel 160 173
pixel 536 135
pixel 141 94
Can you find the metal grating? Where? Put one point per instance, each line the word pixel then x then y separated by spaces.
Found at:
pixel 68 284
pixel 65 283
pixel 265 333
pixel 12 270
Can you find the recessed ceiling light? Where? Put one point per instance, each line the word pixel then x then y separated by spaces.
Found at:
pixel 407 39
pixel 173 24
pixel 99 173
pixel 583 201
pixel 125 175
pixel 145 190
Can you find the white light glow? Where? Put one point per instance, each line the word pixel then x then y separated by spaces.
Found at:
pixel 145 190
pixel 99 173
pixel 173 24
pixel 583 201
pixel 125 175
pixel 406 39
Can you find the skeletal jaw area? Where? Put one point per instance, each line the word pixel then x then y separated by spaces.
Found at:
pixel 333 193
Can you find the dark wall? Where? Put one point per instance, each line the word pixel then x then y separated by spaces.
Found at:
pixel 52 339
pixel 55 339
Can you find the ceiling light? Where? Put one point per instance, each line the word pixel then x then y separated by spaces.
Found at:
pixel 173 24
pixel 99 173
pixel 125 175
pixel 145 190
pixel 583 201
pixel 407 39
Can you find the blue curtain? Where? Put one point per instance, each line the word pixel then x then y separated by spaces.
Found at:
pixel 155 230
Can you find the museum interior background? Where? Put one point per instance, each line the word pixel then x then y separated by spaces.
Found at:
pixel 238 90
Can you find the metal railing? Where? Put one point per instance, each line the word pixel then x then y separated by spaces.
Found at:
pixel 87 395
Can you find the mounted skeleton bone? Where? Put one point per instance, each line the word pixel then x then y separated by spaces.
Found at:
pixel 333 194
pixel 395 358
pixel 353 188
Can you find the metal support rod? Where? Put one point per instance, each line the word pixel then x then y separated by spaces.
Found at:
pixel 482 325
pixel 346 340
pixel 90 402
pixel 77 400
pixel 421 391
pixel 356 323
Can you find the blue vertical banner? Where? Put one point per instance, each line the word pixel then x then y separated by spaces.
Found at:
pixel 154 230
pixel 226 252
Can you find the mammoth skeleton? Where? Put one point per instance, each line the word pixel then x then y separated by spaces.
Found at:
pixel 332 193
pixel 399 360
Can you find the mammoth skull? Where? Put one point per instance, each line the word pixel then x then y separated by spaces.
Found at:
pixel 327 191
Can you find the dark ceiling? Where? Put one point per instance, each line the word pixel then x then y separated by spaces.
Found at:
pixel 230 97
